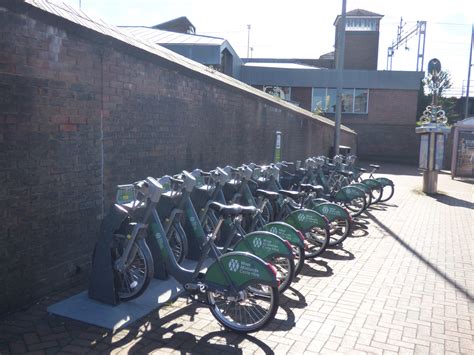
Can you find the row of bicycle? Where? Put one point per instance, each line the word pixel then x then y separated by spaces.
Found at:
pixel 249 229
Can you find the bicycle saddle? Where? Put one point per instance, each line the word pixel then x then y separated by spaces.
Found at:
pixel 291 194
pixel 345 173
pixel 268 194
pixel 232 210
pixel 309 187
pixel 362 170
pixel 374 166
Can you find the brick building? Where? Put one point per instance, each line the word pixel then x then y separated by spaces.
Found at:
pixel 380 106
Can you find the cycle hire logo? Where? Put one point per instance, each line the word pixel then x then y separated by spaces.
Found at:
pixel 325 209
pixel 233 265
pixel 257 242
pixel 301 217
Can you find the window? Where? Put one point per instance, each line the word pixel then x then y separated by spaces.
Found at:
pixel 283 92
pixel 319 100
pixel 353 100
pixel 347 100
pixel 361 24
pixel 361 100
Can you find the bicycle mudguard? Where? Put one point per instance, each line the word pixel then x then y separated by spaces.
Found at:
pixel 305 220
pixel 362 186
pixel 332 211
pixel 318 201
pixel 372 183
pixel 239 269
pixel 348 193
pixel 385 182
pixel 265 245
pixel 286 232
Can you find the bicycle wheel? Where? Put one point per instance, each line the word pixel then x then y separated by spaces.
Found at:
pixel 339 230
pixel 356 206
pixel 178 243
pixel 388 191
pixel 376 194
pixel 285 268
pixel 299 258
pixel 248 311
pixel 135 278
pixel 267 213
pixel 318 239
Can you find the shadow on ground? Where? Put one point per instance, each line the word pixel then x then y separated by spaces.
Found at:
pixel 433 267
pixel 453 201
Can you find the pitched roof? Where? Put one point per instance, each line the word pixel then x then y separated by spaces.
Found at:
pixel 167 37
pixel 279 65
pixel 361 12
pixel 182 21
pixel 358 13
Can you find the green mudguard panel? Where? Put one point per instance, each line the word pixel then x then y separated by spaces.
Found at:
pixel 372 183
pixel 331 211
pixel 318 201
pixel 348 193
pixel 305 220
pixel 385 181
pixel 265 245
pixel 242 269
pixel 362 186
pixel 285 231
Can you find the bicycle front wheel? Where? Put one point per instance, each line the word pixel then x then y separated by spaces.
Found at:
pixel 135 278
pixel 247 311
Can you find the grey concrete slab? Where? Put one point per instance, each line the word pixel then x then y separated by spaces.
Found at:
pixel 80 307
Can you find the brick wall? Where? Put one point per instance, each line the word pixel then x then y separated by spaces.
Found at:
pixel 361 50
pixel 81 112
pixel 387 132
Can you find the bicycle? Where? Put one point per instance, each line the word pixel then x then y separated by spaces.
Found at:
pixel 240 289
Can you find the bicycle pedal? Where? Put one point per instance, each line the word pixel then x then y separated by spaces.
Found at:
pixel 195 288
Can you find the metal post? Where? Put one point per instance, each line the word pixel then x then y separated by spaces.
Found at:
pixel 339 69
pixel 466 104
pixel 248 42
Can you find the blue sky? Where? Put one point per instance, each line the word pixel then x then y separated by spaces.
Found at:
pixel 304 28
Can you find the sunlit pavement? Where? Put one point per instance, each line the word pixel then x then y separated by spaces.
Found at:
pixel 404 283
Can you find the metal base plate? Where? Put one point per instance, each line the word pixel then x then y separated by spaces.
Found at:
pixel 80 307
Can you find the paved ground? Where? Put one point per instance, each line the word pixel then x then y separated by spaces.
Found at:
pixel 403 284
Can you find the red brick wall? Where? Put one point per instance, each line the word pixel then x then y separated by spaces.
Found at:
pixel 387 133
pixel 361 50
pixel 81 113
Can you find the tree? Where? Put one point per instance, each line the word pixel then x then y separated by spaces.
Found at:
pixel 438 83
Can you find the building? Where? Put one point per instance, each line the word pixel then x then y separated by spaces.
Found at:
pixel 379 105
